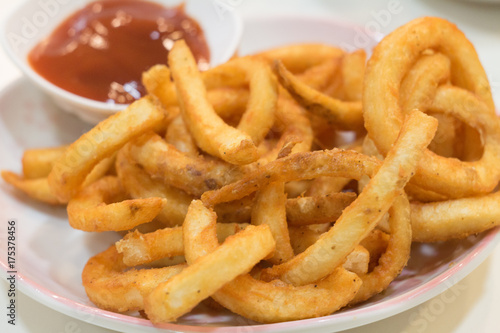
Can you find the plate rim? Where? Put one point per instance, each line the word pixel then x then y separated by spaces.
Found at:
pixel 338 321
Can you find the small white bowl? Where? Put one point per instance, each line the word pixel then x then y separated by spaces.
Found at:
pixel 34 20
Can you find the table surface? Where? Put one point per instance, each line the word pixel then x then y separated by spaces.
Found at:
pixel 477 304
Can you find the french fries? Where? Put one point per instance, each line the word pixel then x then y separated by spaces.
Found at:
pixel 238 184
pixel 383 115
pixel 270 209
pixel 37 189
pixel 102 206
pixel 210 132
pixel 112 286
pixel 37 163
pixel 366 211
pixel 70 170
pixel 204 276
pixel 345 114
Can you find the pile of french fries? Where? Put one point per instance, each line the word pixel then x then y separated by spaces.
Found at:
pixel 255 184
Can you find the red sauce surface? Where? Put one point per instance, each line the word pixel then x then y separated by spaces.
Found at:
pixel 100 51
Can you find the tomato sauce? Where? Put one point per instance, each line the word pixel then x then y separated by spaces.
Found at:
pixel 100 51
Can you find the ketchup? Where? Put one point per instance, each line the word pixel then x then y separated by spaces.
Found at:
pixel 100 51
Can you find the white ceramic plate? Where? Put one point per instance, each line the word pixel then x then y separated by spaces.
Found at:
pixel 51 255
pixel 34 20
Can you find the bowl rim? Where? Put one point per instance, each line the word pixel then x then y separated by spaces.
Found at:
pixel 86 105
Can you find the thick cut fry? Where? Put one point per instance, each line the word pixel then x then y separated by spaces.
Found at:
pixel 418 89
pixel 292 125
pixel 362 216
pixel 178 135
pixel 139 184
pixel 111 285
pixel 357 261
pixel 300 211
pixel 158 82
pixel 203 277
pixel 396 255
pixel 139 248
pixel 459 175
pixel 452 219
pixel 38 163
pixel 101 206
pixel 270 208
pixel 194 175
pixel 275 301
pixel 37 189
pixel 307 165
pixel 261 301
pixel 353 73
pixel 104 167
pixel 226 101
pixel 317 77
pixel 420 83
pixel 414 192
pixel 259 115
pixel 108 136
pixel 209 130
pixel 344 114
